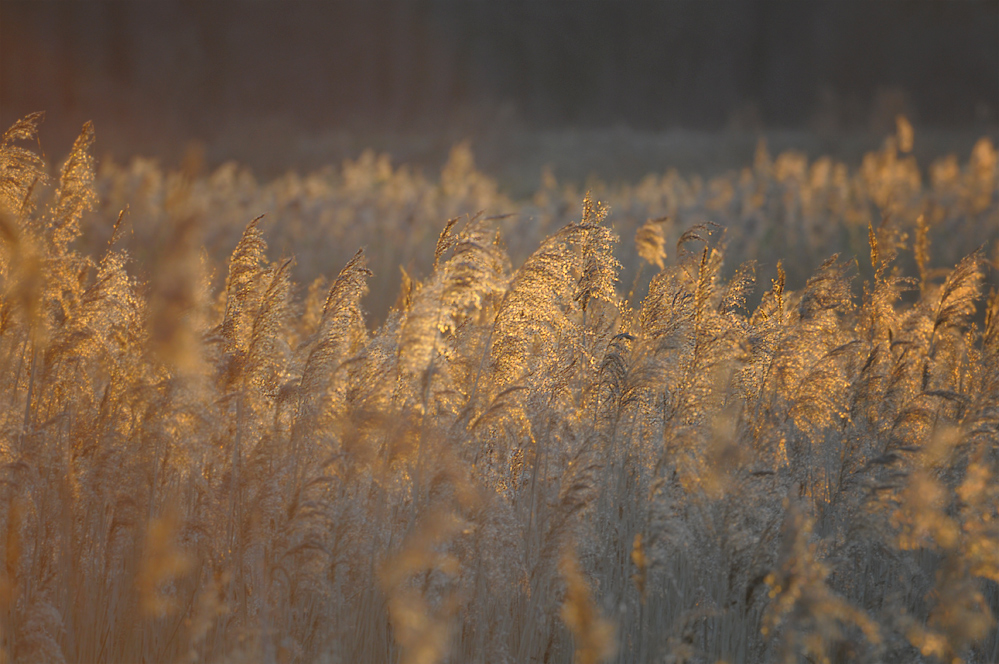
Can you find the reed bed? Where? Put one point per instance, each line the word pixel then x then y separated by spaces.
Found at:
pixel 764 427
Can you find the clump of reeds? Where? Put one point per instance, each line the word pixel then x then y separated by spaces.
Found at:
pixel 526 461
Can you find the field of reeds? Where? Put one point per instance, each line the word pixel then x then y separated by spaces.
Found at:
pixel 753 418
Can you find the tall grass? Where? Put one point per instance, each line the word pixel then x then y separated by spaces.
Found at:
pixel 526 461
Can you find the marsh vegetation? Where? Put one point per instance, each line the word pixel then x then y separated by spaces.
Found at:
pixel 753 418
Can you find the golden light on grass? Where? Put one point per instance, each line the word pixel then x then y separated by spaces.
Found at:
pixel 759 453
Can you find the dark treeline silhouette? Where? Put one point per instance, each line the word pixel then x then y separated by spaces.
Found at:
pixel 194 66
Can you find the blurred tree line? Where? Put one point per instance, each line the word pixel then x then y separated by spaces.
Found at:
pixel 829 64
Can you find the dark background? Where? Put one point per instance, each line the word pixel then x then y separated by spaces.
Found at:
pixel 153 75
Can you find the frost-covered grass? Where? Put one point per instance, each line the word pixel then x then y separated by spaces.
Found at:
pixel 553 444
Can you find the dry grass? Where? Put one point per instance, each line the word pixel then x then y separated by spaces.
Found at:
pixel 526 461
